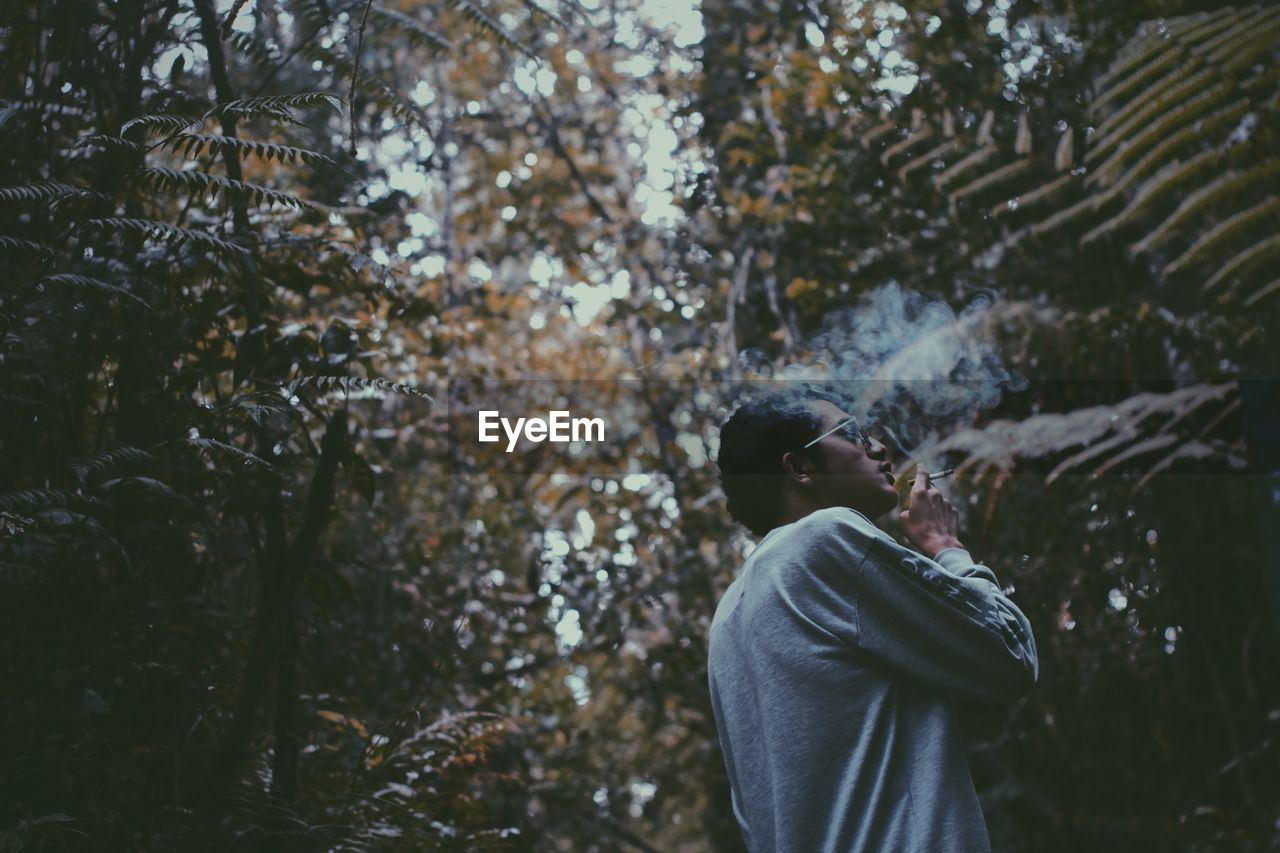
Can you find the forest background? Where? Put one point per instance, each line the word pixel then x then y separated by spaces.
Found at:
pixel 262 257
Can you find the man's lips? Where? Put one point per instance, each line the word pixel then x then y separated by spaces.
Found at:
pixel 888 473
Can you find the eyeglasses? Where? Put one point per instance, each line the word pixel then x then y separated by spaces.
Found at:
pixel 849 429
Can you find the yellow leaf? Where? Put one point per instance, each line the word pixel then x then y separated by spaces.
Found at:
pixel 333 716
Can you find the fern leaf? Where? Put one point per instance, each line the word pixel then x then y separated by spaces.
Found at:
pixel 167 233
pixel 259 54
pixel 106 141
pixel 1261 294
pixel 990 179
pixel 42 191
pixel 418 34
pixel 1202 199
pixel 195 144
pixel 326 384
pixel 200 183
pixel 911 140
pixel 1245 260
pixel 1140 121
pixel 107 460
pixel 161 122
pixel 1034 196
pixel 477 16
pixel 149 486
pixel 1161 131
pixel 35 500
pixel 936 153
pixel 1170 176
pixel 211 448
pixel 1229 227
pixel 18 246
pixel 1240 31
pixel 968 162
pixel 276 106
pixel 75 280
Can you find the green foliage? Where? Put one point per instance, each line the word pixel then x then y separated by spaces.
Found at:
pixel 201 183
pixel 166 233
pixel 192 145
pixel 278 107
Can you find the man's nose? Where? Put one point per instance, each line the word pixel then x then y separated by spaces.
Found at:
pixel 877 449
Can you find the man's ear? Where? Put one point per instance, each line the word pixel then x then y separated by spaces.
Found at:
pixel 798 467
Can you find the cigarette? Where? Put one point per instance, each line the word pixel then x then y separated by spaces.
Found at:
pixel 945 472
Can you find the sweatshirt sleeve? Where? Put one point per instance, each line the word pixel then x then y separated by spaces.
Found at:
pixel 944 622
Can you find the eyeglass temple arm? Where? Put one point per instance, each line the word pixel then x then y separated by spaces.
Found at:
pixel 834 429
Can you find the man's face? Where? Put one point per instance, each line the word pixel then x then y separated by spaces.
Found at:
pixel 848 473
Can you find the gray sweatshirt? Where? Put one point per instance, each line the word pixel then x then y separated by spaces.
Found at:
pixel 833 659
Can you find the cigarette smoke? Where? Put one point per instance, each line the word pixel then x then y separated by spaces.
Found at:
pixel 910 365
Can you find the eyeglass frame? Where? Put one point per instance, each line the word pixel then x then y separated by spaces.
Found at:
pixel 862 434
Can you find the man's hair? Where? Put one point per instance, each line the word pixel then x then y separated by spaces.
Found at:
pixel 752 443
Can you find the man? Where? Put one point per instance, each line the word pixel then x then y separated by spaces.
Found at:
pixel 836 652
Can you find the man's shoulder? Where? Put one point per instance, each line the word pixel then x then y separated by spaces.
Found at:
pixel 834 534
pixel 836 521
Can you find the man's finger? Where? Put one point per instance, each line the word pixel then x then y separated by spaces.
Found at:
pixel 922 478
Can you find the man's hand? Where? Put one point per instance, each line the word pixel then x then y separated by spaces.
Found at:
pixel 931 522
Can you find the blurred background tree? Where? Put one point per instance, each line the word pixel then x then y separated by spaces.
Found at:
pixel 262 258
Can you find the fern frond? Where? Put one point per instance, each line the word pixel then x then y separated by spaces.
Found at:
pixel 990 179
pixel 75 280
pixel 1261 294
pixel 167 233
pixel 1035 196
pixel 276 106
pixel 1118 137
pixel 1200 27
pixel 936 153
pixel 911 140
pixel 161 122
pixel 35 500
pixel 106 141
pixel 42 191
pixel 389 100
pixel 18 246
pixel 419 35
pixel 1229 227
pixel 107 460
pixel 42 109
pixel 1162 131
pixel 477 16
pixel 246 45
pixel 1179 139
pixel 210 448
pixel 326 384
pixel 144 485
pixel 1200 200
pixel 1169 177
pixel 1124 112
pixel 201 183
pixel 259 405
pixel 1244 52
pixel 1134 62
pixel 1245 260
pixel 878 131
pixel 969 161
pixel 1212 49
pixel 195 144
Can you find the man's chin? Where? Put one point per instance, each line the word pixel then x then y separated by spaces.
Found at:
pixel 889 500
